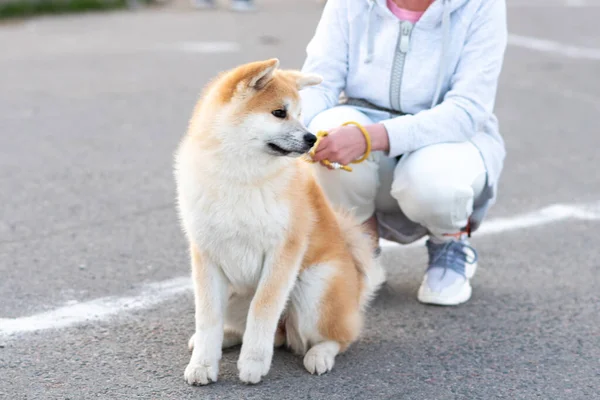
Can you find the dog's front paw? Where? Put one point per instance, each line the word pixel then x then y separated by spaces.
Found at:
pixel 201 373
pixel 253 365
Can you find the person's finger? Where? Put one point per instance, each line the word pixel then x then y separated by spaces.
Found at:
pixel 322 151
pixel 321 155
pixel 347 160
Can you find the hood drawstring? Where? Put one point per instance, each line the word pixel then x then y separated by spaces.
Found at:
pixel 370 33
pixel 445 40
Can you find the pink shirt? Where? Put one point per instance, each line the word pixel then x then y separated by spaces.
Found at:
pixel 404 14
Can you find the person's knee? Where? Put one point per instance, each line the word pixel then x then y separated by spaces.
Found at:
pixel 440 205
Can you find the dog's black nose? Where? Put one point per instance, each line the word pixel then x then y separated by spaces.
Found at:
pixel 310 139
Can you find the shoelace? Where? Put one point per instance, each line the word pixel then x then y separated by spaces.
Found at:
pixel 450 255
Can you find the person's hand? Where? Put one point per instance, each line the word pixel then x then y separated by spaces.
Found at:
pixel 342 145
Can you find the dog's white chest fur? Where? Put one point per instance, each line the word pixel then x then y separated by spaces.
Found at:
pixel 235 226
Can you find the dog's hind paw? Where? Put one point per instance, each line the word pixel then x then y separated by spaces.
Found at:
pixel 321 357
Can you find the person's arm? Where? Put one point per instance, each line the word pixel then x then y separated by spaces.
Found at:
pixel 470 100
pixel 327 56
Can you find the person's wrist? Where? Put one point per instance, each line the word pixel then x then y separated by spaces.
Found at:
pixel 379 137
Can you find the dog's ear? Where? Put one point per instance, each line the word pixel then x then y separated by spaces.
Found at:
pixel 304 80
pixel 260 73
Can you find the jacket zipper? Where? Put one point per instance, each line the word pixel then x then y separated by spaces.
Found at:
pixel 402 47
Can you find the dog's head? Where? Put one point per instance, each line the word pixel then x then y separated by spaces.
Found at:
pixel 259 110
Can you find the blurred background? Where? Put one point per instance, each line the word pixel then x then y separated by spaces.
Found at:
pixel 94 296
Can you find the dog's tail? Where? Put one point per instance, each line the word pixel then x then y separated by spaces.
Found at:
pixel 359 244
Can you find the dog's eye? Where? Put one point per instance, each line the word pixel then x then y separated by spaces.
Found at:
pixel 281 113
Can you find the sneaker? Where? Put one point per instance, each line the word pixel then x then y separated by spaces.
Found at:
pixel 203 4
pixel 451 266
pixel 242 5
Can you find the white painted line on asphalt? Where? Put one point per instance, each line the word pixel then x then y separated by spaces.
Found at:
pixel 97 309
pixel 547 215
pixel 549 46
pixel 159 292
pixel 575 3
pixel 77 48
pixel 207 47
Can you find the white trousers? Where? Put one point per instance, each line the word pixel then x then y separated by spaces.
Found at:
pixel 435 186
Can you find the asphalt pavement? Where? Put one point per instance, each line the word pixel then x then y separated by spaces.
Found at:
pixel 91 110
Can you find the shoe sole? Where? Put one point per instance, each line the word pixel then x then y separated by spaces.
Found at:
pixel 428 297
